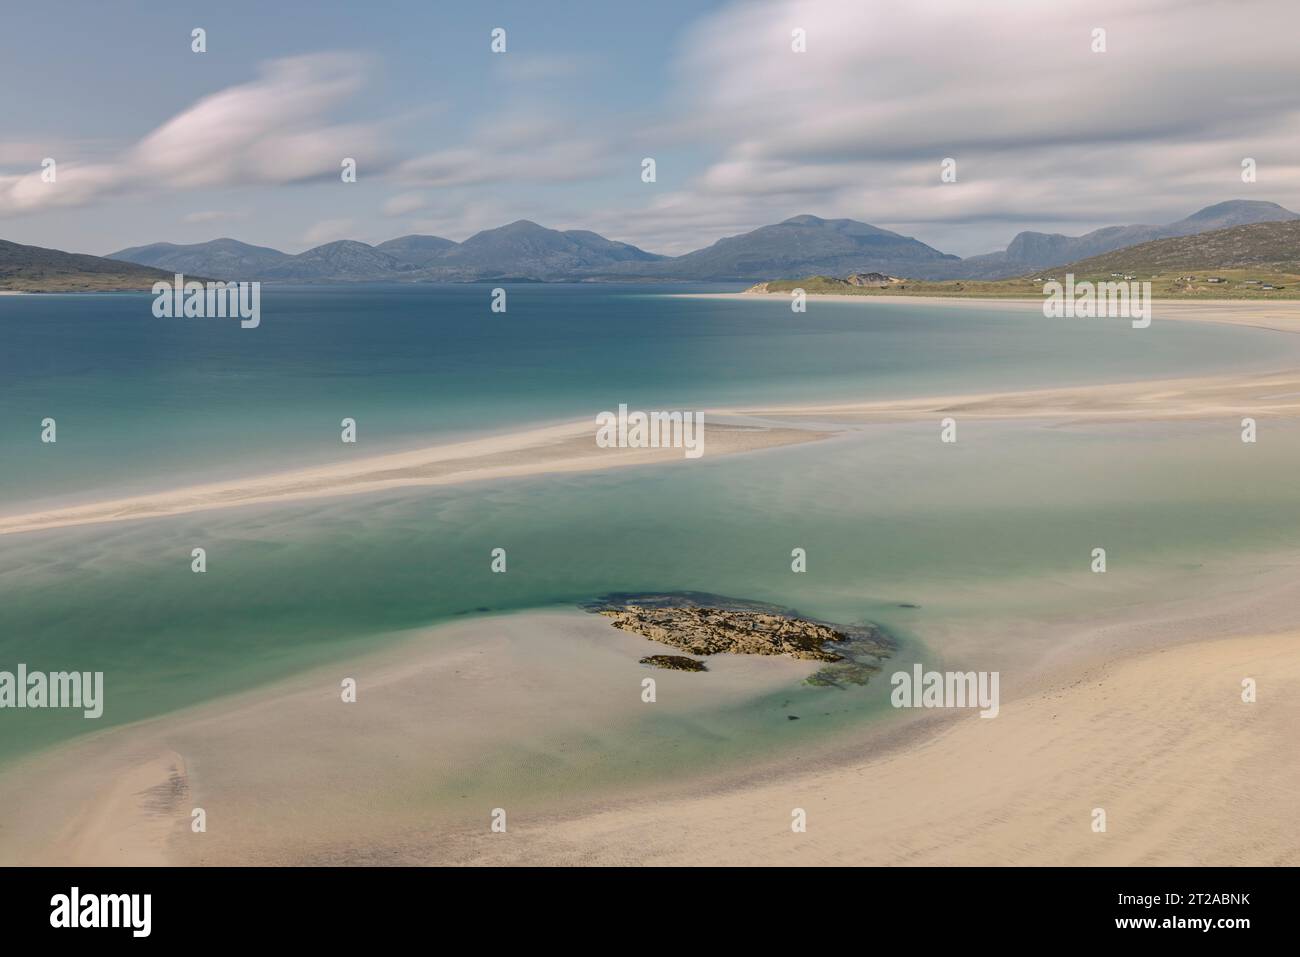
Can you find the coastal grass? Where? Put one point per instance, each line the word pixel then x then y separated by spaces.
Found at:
pixel 1187 284
pixel 76 283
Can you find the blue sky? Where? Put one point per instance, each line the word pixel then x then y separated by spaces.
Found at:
pixel 156 143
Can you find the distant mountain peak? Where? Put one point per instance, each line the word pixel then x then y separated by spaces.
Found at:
pixel 1243 206
pixel 338 244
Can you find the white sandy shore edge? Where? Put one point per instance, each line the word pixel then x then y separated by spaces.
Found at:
pixel 1280 316
pixel 1186 772
pixel 448 721
pixel 1275 394
pixel 570 447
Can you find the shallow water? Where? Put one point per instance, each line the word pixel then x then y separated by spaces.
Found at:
pixel 990 537
pixel 144 403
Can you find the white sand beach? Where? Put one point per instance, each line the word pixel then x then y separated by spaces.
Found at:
pixel 445 722
pixel 1275 394
pixel 1186 772
pixel 1139 714
pixel 1282 315
pixel 571 447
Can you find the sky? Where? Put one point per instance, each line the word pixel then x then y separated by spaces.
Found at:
pixel 153 142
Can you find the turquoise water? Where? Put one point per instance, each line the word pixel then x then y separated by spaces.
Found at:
pixel 990 536
pixel 143 402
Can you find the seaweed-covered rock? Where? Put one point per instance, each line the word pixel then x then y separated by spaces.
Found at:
pixel 712 631
pixel 706 624
pixel 674 663
pixel 843 673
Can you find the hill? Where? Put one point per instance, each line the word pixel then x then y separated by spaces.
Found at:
pixel 343 261
pixel 1034 250
pixel 220 258
pixel 1259 261
pixel 415 250
pixel 37 269
pixel 803 244
pixel 1273 246
pixel 526 250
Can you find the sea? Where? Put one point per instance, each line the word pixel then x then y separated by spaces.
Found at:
pixel 973 554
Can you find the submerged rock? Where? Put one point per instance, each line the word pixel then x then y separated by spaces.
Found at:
pixel 844 673
pixel 674 663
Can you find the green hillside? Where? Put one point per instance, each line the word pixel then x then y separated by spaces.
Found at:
pixel 1259 261
pixel 36 269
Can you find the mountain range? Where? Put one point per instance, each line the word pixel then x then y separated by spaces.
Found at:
pixel 799 246
pixel 523 250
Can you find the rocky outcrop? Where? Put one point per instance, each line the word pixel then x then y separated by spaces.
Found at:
pixel 712 631
pixel 872 279
pixel 705 624
pixel 674 663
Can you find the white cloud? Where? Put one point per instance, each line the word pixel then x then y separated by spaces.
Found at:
pixel 1043 129
pixel 1045 132
pixel 515 147
pixel 270 131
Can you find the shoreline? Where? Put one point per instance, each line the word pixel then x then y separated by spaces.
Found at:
pixel 570 447
pixel 1186 773
pixel 1282 315
pixel 1140 716
pixel 1271 394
